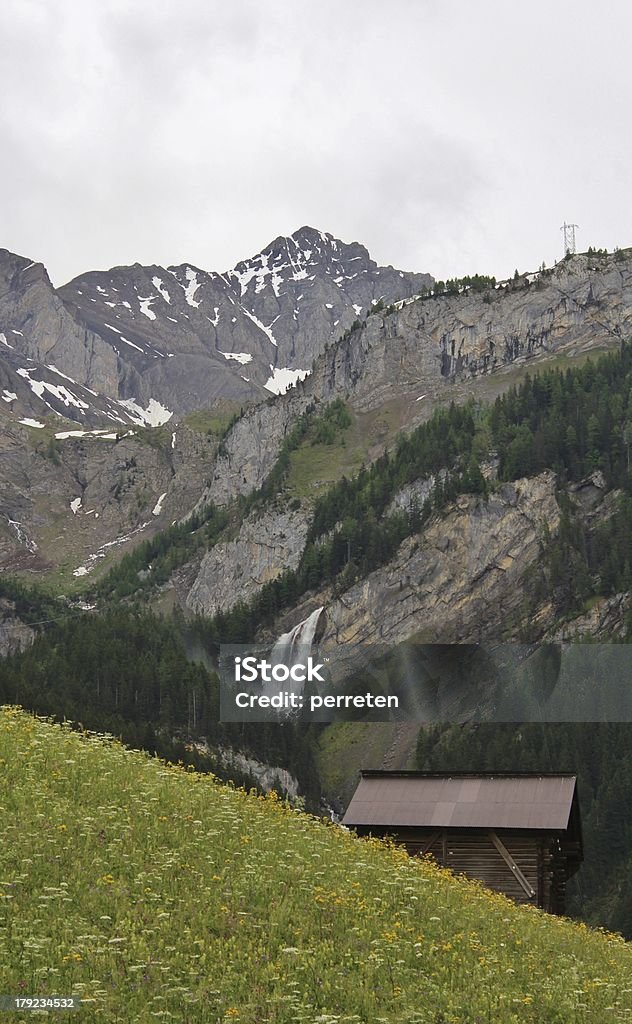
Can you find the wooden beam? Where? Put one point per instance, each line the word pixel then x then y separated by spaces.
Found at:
pixel 431 842
pixel 511 864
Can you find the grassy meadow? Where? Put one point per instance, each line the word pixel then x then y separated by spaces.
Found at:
pixel 155 893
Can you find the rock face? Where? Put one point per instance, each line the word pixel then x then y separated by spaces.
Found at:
pixel 15 635
pixel 188 336
pixel 268 776
pixel 459 581
pixel 604 622
pixel 62 502
pixel 35 323
pixel 584 299
pixel 437 349
pixel 581 305
pixel 236 571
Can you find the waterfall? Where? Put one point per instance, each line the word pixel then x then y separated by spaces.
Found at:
pixel 291 648
pixel 298 640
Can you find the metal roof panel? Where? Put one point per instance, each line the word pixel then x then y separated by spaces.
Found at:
pixel 468 801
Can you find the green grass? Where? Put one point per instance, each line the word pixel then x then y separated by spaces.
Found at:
pixel 315 467
pixel 343 748
pixel 215 420
pixel 155 437
pixel 155 893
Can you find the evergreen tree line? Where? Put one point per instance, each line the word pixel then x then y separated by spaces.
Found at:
pixel 456 285
pixel 129 674
pixel 31 604
pixel 573 422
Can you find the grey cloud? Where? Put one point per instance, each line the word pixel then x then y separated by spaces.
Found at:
pixel 441 136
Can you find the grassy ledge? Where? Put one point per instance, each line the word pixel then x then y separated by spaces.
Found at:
pixel 156 893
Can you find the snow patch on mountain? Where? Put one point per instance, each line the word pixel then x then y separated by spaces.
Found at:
pixel 106 435
pixel 132 345
pixel 158 285
pixel 101 552
pixel 145 307
pixel 283 378
pixel 157 509
pixel 61 393
pixel 191 287
pixel 262 327
pixel 239 357
pixel 153 416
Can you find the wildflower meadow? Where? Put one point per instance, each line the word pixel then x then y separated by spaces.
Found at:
pixel 156 893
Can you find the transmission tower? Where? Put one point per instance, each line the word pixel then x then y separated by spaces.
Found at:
pixel 569 238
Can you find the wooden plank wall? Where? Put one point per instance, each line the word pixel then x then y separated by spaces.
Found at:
pixel 473 853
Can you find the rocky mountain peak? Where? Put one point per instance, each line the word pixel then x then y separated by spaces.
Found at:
pixel 17 273
pixel 301 256
pixel 180 337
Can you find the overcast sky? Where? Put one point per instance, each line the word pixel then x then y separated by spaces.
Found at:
pixel 450 137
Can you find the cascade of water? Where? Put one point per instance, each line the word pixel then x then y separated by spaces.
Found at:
pixel 293 648
pixel 299 638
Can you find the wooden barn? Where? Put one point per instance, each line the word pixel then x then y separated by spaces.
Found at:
pixel 519 834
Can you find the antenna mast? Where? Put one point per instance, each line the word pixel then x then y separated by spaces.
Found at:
pixel 569 238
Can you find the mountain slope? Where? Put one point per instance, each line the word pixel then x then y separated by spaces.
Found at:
pixel 35 323
pixel 184 338
pixel 69 502
pixel 443 348
pixel 422 545
pixel 168 894
pixel 188 336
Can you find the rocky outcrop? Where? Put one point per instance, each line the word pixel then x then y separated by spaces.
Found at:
pixel 604 621
pixel 459 581
pixel 268 776
pixel 414 494
pixel 63 502
pixel 15 635
pixel 35 323
pixel 267 545
pixel 580 305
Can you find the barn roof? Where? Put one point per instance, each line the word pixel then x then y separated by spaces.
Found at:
pixel 463 800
